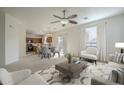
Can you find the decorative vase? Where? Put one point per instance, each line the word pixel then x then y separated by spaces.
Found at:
pixel 69 57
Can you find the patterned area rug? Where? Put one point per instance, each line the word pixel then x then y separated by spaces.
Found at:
pixel 53 77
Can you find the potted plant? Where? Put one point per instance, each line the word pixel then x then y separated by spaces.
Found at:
pixel 69 57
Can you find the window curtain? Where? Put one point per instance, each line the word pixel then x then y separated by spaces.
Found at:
pixel 101 40
pixel 82 39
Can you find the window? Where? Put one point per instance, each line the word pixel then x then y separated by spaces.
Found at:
pixel 60 40
pixel 61 44
pixel 90 36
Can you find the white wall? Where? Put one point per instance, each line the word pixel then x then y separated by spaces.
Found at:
pixel 12 39
pixel 15 38
pixel 30 35
pixel 72 39
pixel 114 33
pixel 2 38
pixel 22 40
pixel 64 34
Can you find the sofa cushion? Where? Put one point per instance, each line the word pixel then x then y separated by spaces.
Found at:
pixel 5 77
pixel 92 50
pixel 89 56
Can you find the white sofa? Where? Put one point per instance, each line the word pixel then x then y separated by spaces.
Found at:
pixel 22 77
pixel 90 53
pixel 101 81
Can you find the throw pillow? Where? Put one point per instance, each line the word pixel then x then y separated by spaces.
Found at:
pixel 117 76
pixel 113 76
pixel 118 57
pixel 5 77
pixel 120 77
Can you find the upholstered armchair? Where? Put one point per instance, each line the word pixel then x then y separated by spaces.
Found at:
pixel 91 53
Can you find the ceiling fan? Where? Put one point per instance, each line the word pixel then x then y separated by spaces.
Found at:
pixel 65 20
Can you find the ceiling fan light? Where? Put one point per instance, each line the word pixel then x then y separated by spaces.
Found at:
pixel 64 22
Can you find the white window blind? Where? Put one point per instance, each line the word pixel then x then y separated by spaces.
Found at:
pixel 91 36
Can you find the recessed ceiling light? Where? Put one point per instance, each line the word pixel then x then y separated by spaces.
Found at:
pixel 85 18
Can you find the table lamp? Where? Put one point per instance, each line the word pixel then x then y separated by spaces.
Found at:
pixel 120 45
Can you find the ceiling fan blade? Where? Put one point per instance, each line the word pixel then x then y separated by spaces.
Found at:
pixel 55 22
pixel 72 16
pixel 57 17
pixel 73 22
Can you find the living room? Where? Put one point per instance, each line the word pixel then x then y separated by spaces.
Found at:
pixel 98 28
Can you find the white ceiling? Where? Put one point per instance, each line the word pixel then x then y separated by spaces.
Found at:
pixel 38 20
